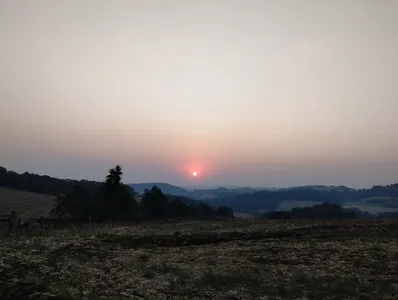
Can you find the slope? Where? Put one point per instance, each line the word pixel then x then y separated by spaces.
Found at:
pixel 27 205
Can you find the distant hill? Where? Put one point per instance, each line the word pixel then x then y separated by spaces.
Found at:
pixel 390 191
pixel 271 199
pixel 186 200
pixel 324 188
pixel 266 200
pixel 224 190
pixel 243 200
pixel 247 203
pixel 210 193
pixel 165 187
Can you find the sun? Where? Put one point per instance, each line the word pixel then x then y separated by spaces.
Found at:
pixel 194 174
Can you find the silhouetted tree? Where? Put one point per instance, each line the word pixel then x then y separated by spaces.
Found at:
pixel 204 210
pixel 193 211
pixel 76 204
pixel 110 200
pixel 114 178
pixel 3 174
pixel 115 200
pixel 154 204
pixel 178 208
pixel 224 211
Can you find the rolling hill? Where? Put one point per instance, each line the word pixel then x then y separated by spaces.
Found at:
pixel 374 200
pixel 27 205
pixel 242 200
pixel 165 187
pixel 197 194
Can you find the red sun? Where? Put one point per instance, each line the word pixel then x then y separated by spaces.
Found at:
pixel 195 170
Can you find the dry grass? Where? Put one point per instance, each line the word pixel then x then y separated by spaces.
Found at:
pixel 27 205
pixel 199 260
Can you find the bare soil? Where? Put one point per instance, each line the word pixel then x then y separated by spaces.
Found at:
pixel 204 260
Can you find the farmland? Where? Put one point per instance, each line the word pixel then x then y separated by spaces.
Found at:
pixel 27 205
pixel 205 260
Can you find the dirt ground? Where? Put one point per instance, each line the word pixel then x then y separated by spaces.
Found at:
pixel 204 260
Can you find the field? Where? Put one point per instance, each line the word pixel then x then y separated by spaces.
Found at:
pixel 371 205
pixel 375 205
pixel 205 260
pixel 27 205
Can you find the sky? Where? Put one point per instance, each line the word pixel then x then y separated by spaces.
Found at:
pixel 246 93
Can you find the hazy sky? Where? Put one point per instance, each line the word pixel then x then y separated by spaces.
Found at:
pixel 264 93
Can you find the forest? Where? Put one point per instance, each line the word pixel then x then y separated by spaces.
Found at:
pixel 111 200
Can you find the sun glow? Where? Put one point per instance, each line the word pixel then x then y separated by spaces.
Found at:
pixel 194 170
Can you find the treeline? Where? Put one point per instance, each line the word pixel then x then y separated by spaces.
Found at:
pixel 381 190
pixel 42 184
pixel 115 201
pixel 324 211
pixel 270 200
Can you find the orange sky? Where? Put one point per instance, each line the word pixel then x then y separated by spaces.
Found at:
pixel 269 93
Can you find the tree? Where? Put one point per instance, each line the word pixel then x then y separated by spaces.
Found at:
pixel 224 211
pixel 154 204
pixel 76 204
pixel 116 200
pixel 3 175
pixel 178 209
pixel 3 170
pixel 204 210
pixel 114 178
pixel 111 201
pixel 192 211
